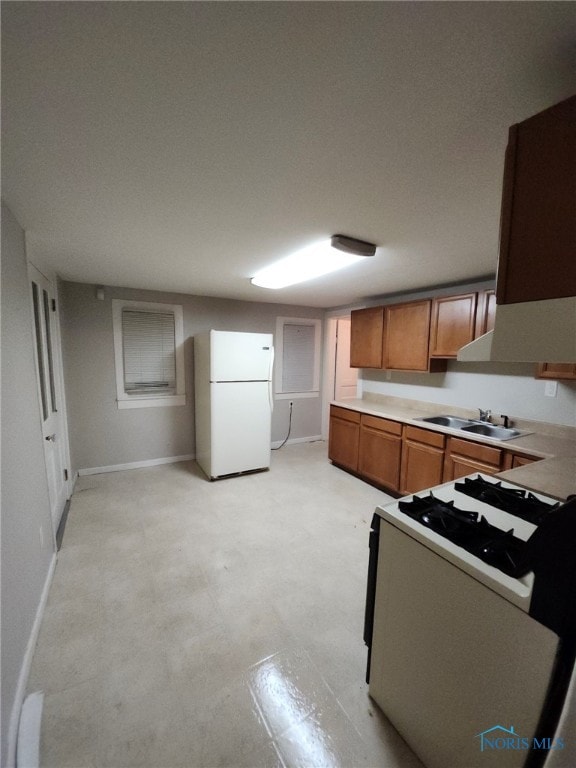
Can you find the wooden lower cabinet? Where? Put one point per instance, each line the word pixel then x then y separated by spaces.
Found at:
pixel 344 437
pixel 513 460
pixel 409 459
pixel 380 451
pixel 464 457
pixel 422 459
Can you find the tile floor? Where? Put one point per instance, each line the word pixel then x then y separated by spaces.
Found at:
pixel 202 624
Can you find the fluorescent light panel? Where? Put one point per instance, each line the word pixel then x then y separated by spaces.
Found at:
pixel 313 261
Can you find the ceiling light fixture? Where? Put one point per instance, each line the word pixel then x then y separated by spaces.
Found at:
pixel 313 261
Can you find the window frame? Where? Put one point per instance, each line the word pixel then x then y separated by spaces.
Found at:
pixel 279 393
pixel 148 400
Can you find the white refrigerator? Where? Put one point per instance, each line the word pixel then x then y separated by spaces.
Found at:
pixel 233 401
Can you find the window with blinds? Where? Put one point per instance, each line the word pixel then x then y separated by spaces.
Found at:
pixel 149 354
pixel 297 357
pixel 149 351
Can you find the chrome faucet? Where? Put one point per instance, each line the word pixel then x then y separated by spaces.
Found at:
pixel 484 415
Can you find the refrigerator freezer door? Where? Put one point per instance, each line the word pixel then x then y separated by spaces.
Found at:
pixel 240 356
pixel 241 423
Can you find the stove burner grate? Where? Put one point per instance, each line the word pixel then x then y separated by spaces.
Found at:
pixel 515 501
pixel 470 531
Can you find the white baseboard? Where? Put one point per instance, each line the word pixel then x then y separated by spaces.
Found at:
pixel 310 439
pixel 174 459
pixel 28 748
pixel 25 668
pixel 135 465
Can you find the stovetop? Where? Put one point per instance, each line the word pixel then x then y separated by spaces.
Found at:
pixel 483 536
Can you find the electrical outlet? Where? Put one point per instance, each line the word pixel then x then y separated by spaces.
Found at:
pixel 551 388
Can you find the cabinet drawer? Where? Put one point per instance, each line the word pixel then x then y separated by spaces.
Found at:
pixel 345 414
pixel 482 453
pixel 384 425
pixel 425 436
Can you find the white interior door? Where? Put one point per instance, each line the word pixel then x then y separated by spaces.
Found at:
pixel 49 390
pixel 345 378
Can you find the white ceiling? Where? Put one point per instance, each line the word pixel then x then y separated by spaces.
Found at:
pixel 182 146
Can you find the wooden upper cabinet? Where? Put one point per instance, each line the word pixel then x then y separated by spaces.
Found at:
pixel 485 312
pixel 406 337
pixel 538 221
pixel 366 330
pixel 556 371
pixel 453 324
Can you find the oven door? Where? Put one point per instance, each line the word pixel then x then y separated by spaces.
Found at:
pixel 451 659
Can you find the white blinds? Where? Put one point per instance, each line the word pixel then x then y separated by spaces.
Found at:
pixel 298 358
pixel 149 351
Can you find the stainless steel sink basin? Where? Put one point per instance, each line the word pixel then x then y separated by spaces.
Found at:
pixel 474 427
pixel 448 421
pixel 491 430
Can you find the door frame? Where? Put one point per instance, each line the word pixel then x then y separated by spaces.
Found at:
pixel 58 368
pixel 329 372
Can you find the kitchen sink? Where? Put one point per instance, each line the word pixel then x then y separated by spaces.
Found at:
pixel 474 427
pixel 491 430
pixel 448 421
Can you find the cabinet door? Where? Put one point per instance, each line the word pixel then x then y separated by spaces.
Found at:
pixel 485 312
pixel 460 466
pixel 406 336
pixel 453 324
pixel 464 457
pixel 521 461
pixel 556 371
pixel 366 337
pixel 344 438
pixel 538 225
pixel 422 459
pixel 380 450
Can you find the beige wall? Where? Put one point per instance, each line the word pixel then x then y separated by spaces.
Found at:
pixel 100 434
pixel 25 506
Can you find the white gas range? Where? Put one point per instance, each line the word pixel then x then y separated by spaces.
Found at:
pixel 471 624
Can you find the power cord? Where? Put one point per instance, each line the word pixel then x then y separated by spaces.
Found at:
pixel 289 430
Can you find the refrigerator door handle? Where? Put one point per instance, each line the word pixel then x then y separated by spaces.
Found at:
pixel 270 383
